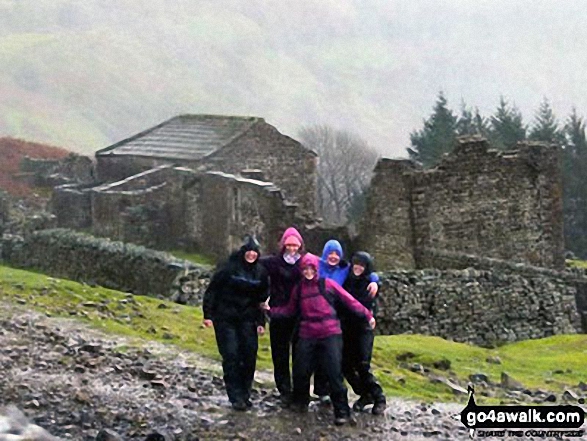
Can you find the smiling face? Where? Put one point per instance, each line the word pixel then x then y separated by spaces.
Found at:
pixel 358 269
pixel 251 256
pixel 292 249
pixel 309 272
pixel 333 259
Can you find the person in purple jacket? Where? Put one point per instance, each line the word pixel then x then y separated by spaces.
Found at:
pixel 320 335
pixel 284 273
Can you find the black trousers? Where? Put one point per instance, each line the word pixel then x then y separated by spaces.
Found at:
pixel 356 360
pixel 237 343
pixel 282 333
pixel 320 354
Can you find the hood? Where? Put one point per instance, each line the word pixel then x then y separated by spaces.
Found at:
pixel 329 247
pixel 251 244
pixel 365 259
pixel 309 260
pixel 291 231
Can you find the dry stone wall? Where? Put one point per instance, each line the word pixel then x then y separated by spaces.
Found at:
pixel 475 306
pixel 480 306
pixel 115 265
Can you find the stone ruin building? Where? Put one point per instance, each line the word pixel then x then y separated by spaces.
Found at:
pixel 197 182
pixel 476 201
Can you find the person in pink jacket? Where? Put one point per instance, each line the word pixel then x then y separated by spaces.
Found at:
pixel 315 302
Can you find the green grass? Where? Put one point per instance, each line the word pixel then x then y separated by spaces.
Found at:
pixel 198 259
pixel 576 263
pixel 532 362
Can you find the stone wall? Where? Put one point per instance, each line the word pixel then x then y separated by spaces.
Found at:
pixel 230 207
pixel 505 205
pixel 148 208
pixel 115 265
pixel 72 206
pixel 114 168
pixel 386 229
pixel 480 307
pixel 73 168
pixel 483 307
pixel 283 161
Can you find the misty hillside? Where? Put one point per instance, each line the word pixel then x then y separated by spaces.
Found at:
pixel 86 74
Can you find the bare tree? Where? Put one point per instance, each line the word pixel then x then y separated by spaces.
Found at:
pixel 345 167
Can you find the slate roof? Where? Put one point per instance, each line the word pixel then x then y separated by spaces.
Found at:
pixel 188 137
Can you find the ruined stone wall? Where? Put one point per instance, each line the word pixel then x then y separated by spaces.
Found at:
pixel 73 168
pixel 148 208
pixel 72 206
pixel 386 229
pixel 506 206
pixel 230 207
pixel 283 161
pixel 503 205
pixel 113 168
pixel 115 265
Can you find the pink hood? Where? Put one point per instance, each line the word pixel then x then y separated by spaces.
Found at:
pixel 309 259
pixel 291 231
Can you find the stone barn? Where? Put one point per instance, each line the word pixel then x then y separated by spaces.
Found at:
pixel 229 144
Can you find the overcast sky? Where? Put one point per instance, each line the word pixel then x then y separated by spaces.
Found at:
pixel 373 67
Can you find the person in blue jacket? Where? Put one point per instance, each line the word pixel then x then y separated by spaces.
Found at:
pixel 332 266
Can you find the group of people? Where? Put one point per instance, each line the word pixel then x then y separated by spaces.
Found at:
pixel 321 308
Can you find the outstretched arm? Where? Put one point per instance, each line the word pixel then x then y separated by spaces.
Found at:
pixel 348 300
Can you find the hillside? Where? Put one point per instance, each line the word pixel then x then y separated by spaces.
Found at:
pixel 12 151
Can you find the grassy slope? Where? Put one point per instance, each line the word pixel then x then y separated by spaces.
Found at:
pixel 531 362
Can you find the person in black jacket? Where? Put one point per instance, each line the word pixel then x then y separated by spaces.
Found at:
pixel 231 305
pixel 358 338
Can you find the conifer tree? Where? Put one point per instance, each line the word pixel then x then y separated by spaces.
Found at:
pixel 546 127
pixel 506 126
pixel 438 136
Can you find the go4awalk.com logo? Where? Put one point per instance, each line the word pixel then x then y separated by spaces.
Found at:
pixel 522 421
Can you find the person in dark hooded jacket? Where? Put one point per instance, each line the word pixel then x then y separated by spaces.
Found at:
pixel 231 305
pixel 358 338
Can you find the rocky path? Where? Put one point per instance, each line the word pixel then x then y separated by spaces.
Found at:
pixel 80 384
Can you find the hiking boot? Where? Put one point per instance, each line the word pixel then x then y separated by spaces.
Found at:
pixel 362 402
pixel 298 407
pixel 379 408
pixel 248 403
pixel 285 400
pixel 341 420
pixel 324 400
pixel 239 405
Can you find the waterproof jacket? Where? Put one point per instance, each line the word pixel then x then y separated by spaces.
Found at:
pixel 318 317
pixel 357 286
pixel 283 276
pixel 236 290
pixel 339 272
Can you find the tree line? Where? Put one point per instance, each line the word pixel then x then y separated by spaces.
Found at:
pixel 504 129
